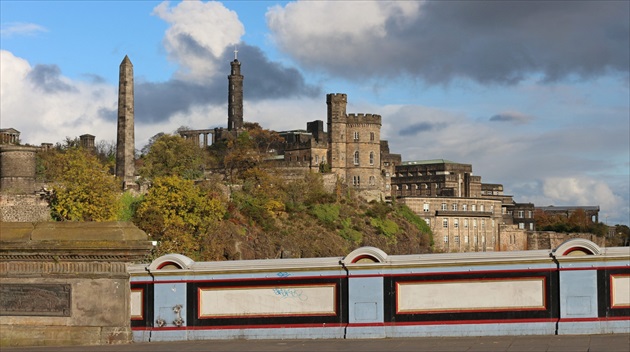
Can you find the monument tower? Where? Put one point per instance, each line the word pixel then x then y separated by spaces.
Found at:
pixel 235 96
pixel 125 147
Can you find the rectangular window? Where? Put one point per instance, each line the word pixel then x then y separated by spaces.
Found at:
pixel 456 223
pixel 426 207
pixel 466 223
pixel 356 136
pixel 464 207
pixel 521 225
pixel 445 239
pixel 371 136
pixel 444 206
pixel 529 214
pixel 520 213
pixel 474 222
pixel 483 222
pixel 474 207
pixel 466 239
pixel 456 239
pixel 531 226
pixel 454 206
pixel 445 223
pixel 481 207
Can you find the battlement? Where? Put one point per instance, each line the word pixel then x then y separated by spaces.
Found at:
pixel 336 97
pixel 364 118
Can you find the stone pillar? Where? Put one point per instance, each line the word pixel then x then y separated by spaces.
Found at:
pixel 125 147
pixel 67 283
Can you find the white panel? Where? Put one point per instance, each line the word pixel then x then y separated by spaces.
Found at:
pixel 267 301
pixel 471 295
pixel 136 308
pixel 620 291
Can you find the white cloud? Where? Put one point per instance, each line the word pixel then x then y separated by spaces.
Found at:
pixel 441 41
pixel 579 191
pixel 198 35
pixel 58 114
pixel 582 191
pixel 325 31
pixel 21 29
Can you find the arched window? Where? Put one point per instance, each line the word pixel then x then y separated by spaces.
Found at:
pixel 371 158
pixel 356 158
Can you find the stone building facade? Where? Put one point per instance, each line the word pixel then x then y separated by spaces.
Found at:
pixel 463 213
pixel 459 224
pixel 435 178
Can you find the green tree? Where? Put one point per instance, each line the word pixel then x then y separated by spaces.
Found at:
pixel 83 188
pixel 261 198
pixel 179 214
pixel 172 155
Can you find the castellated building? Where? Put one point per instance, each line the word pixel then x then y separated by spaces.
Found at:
pixel 351 149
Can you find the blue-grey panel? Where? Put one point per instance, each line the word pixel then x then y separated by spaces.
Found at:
pixel 578 294
pixel 170 305
pixel 365 300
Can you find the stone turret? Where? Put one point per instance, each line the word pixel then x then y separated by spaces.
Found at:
pixel 337 131
pixel 125 147
pixel 235 96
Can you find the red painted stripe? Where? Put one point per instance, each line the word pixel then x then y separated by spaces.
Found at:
pixel 596 268
pixel 472 322
pixel 289 278
pixel 233 327
pixel 441 273
pixel 577 320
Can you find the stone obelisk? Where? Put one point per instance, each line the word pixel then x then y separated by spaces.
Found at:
pixel 125 147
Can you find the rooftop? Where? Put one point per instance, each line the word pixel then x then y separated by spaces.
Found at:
pixel 428 162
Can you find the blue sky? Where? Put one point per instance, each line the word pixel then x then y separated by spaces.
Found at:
pixel 533 94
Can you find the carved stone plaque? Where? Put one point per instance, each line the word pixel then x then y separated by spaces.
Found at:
pixel 51 300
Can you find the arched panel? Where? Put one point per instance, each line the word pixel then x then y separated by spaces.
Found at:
pixel 365 255
pixel 171 262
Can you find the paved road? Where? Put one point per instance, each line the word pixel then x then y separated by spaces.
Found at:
pixel 586 343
